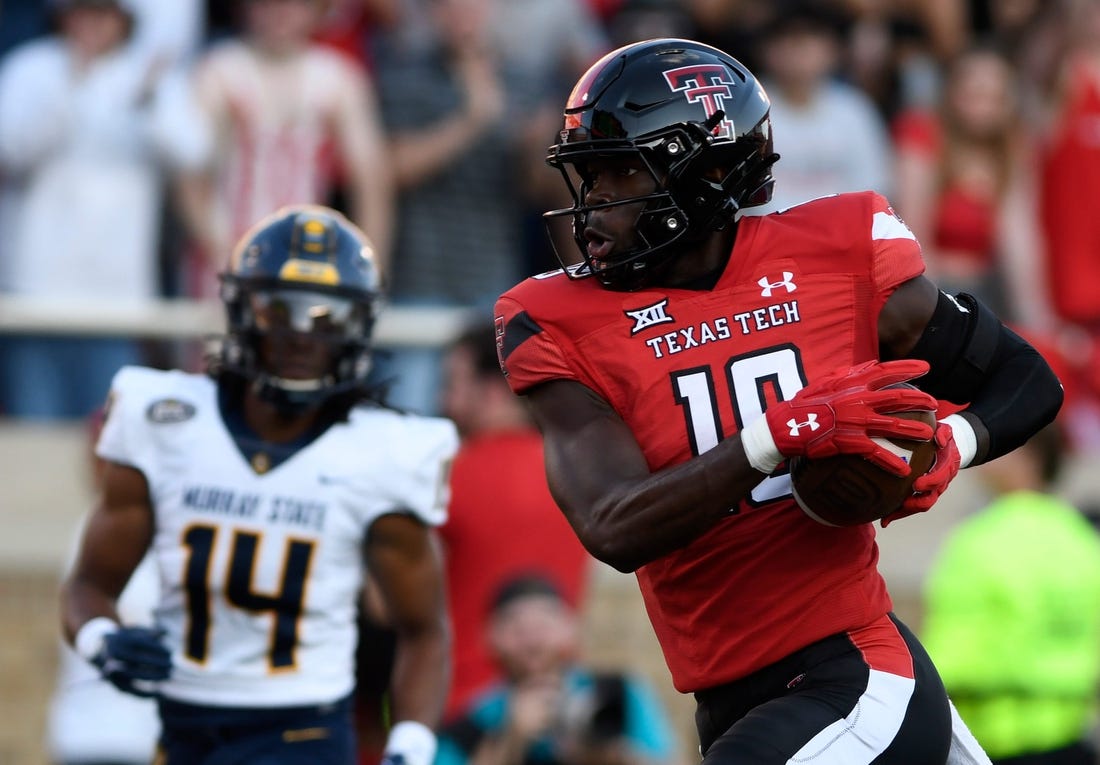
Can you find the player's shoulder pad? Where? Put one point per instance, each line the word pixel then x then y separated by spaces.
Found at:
pixel 852 205
pixel 841 231
pixel 404 434
pixel 551 288
pixel 409 455
pixel 540 321
pixel 554 300
pixel 863 207
pixel 38 55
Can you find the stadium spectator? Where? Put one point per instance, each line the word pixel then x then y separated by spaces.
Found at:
pixel 89 124
pixel 546 43
pixel 1012 613
pixel 170 31
pixel 502 520
pixel 891 57
pixel 349 26
pixel 543 45
pixel 832 137
pixel 287 117
pixel 457 154
pixel 22 21
pixel 1070 173
pixel 550 709
pixel 735 25
pixel 264 491
pixel 693 352
pixel 966 186
pixel 648 19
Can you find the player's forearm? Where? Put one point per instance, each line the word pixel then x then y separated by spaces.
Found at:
pixel 416 157
pixel 644 520
pixel 421 673
pixel 623 513
pixel 194 196
pixel 1020 396
pixel 82 601
pixel 374 213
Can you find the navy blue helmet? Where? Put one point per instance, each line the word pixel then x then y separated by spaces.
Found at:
pixel 302 279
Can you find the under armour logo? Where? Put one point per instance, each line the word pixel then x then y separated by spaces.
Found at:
pixel 648 316
pixel 766 286
pixel 796 426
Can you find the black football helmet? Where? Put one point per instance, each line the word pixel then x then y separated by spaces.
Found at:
pixel 698 120
pixel 304 272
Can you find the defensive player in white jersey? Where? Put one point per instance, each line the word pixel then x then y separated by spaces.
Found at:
pixel 262 489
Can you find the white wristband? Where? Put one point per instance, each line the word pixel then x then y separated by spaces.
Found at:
pixel 414 741
pixel 759 446
pixel 965 438
pixel 89 638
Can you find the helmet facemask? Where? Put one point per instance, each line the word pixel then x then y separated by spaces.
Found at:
pixel 696 119
pixel 297 345
pixel 699 183
pixel 301 294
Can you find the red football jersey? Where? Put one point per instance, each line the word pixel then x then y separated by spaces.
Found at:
pixel 800 297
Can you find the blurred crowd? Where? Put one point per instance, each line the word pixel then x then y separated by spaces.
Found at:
pixel 139 139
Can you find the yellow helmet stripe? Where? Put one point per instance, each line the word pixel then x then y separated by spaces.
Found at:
pixel 310 271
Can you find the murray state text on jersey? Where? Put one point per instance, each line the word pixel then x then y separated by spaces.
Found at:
pixel 291 511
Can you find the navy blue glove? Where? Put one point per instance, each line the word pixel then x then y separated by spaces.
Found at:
pixel 133 654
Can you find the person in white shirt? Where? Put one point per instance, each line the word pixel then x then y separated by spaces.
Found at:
pixel 831 137
pixel 89 125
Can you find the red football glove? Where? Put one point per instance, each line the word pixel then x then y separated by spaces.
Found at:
pixel 928 488
pixel 840 414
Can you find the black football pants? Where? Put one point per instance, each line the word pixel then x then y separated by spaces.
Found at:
pixel 829 704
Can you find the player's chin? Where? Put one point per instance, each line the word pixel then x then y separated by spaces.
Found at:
pixel 300 371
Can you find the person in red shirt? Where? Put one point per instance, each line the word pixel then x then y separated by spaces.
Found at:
pixel 502 521
pixel 965 185
pixel 691 351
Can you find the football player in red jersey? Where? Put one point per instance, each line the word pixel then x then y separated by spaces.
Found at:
pixel 691 351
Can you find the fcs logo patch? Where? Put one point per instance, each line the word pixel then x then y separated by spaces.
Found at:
pixel 644 318
pixel 767 286
pixel 169 410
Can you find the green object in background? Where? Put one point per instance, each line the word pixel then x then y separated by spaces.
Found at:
pixel 1012 621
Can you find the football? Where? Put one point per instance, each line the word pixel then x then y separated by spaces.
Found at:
pixel 847 490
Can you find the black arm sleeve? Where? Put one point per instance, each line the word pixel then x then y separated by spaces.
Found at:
pixel 1011 390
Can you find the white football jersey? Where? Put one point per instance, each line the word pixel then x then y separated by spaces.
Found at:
pixel 259 572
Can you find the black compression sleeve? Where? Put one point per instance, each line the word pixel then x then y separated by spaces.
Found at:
pixel 1011 390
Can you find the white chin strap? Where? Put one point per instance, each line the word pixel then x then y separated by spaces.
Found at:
pixel 297 386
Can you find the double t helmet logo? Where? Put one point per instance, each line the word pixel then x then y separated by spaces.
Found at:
pixel 707 84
